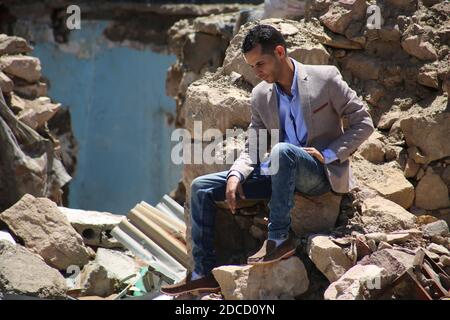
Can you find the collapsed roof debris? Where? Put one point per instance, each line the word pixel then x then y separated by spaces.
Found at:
pixel 387 239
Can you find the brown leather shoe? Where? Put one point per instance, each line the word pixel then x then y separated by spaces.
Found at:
pixel 270 253
pixel 201 285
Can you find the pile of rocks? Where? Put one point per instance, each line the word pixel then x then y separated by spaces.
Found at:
pixel 354 246
pixel 212 34
pixel 357 259
pixel 38 154
pixel 56 252
pixel 402 73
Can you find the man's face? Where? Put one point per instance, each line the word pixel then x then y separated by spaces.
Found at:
pixel 267 67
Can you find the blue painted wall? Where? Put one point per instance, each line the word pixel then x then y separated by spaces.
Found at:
pixel 117 100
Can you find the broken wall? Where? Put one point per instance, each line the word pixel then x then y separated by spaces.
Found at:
pixel 109 74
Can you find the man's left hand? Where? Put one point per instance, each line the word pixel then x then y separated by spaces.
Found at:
pixel 315 153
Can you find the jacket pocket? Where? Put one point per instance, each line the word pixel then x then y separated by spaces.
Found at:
pixel 321 107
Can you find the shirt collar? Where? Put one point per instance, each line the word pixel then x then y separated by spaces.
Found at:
pixel 294 87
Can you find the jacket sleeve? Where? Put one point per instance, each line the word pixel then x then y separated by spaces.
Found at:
pixel 346 103
pixel 248 158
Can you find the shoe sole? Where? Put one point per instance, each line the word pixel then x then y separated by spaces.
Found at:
pixel 286 255
pixel 198 290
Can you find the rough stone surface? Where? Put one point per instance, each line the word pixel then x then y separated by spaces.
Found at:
pixel 434 256
pixel 395 262
pixel 23 272
pixel 37 112
pixel 411 168
pixel 428 78
pixel 376 236
pixel 420 49
pixel 437 228
pixel 446 175
pixel 438 249
pixel 6 84
pixel 24 67
pixel 281 280
pixel 402 4
pixel 13 45
pixel 225 153
pixel 218 104
pixel 379 214
pixel 387 180
pixel 445 260
pixel 355 283
pixel 94 280
pixel 314 214
pixel 340 15
pixel 384 245
pixel 45 231
pixel 429 132
pixel 398 237
pixel 373 149
pixel 424 219
pixel 173 79
pixel 388 119
pixel 30 163
pixel 337 41
pixel 362 66
pixel 432 193
pixel 328 257
pixel 213 49
pixel 118 265
pixel 416 155
pixel 94 226
pixel 32 91
pixel 221 25
pixel 303 45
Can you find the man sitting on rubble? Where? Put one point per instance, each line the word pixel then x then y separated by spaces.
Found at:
pixel 306 103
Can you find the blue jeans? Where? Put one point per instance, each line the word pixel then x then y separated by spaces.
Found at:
pixel 298 171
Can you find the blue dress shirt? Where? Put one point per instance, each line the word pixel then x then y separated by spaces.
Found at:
pixel 292 123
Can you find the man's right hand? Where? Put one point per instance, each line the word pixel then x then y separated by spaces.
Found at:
pixel 234 188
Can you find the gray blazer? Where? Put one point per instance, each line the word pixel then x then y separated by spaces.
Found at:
pixel 325 98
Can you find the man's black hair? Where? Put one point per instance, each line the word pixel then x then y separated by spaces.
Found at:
pixel 267 36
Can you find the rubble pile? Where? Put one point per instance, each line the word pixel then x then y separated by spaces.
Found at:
pixel 211 33
pixel 55 252
pixel 386 239
pixel 377 240
pixel 37 155
pixel 68 253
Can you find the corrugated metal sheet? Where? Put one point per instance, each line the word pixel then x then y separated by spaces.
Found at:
pixel 157 236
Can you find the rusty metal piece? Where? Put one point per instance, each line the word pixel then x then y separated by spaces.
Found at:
pixel 425 279
pixel 445 280
pixel 419 292
pixel 434 265
pixel 435 281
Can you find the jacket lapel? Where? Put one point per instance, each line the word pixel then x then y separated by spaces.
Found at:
pixel 303 89
pixel 305 99
pixel 272 103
